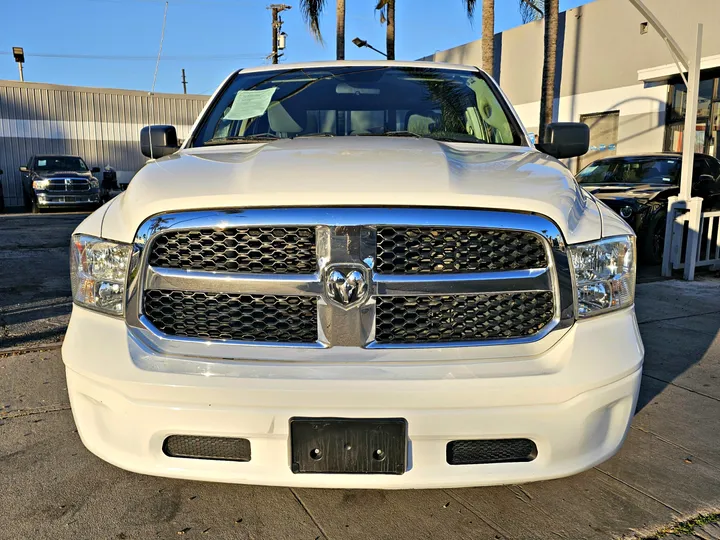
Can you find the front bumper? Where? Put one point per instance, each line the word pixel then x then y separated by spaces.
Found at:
pixel 48 199
pixel 576 414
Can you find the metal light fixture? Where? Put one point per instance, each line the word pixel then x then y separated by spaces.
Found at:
pixel 360 43
pixel 19 55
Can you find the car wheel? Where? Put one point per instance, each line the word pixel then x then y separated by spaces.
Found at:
pixel 34 208
pixel 654 242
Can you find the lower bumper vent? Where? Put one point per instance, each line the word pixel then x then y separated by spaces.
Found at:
pixel 490 451
pixel 220 448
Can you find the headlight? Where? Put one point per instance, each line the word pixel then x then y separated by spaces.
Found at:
pixel 94 182
pixel 41 184
pixel 604 274
pixel 98 269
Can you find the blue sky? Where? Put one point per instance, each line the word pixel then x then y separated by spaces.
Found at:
pixel 209 38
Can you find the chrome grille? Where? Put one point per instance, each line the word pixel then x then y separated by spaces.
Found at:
pixel 68 184
pixel 270 250
pixel 241 317
pixel 448 318
pixel 279 278
pixel 432 250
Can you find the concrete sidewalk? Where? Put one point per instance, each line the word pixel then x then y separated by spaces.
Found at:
pixel 668 470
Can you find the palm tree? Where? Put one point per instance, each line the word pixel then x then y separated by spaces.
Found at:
pixel 547 97
pixel 488 31
pixel 311 11
pixel 531 10
pixel 340 34
pixel 387 15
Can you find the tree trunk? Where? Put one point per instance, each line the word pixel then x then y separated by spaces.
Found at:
pixel 391 30
pixel 547 98
pixel 488 36
pixel 340 30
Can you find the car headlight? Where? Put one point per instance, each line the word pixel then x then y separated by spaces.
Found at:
pixel 41 184
pixel 604 274
pixel 98 270
pixel 94 182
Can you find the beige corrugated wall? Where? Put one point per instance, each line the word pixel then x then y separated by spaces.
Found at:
pixel 100 125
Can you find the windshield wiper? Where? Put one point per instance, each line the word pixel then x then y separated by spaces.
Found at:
pixel 390 134
pixel 314 135
pixel 259 137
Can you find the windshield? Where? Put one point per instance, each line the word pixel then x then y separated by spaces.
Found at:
pixel 60 164
pixel 647 170
pixel 440 104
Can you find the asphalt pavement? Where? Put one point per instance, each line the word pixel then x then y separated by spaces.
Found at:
pixel 51 487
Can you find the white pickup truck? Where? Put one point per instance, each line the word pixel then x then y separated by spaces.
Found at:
pixel 357 275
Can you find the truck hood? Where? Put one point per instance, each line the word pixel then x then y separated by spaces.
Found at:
pixel 62 174
pixel 356 171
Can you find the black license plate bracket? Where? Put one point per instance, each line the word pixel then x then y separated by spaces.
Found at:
pixel 348 445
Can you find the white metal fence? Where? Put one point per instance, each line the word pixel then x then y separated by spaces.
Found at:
pixel 708 237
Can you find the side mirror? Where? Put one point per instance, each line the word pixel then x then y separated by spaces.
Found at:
pixel 23 169
pixel 706 179
pixel 158 141
pixel 565 140
pixel 95 170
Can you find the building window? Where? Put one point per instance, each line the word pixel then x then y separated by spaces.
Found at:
pixel 603 136
pixel 707 125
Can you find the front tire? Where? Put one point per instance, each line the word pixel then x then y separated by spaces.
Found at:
pixel 34 208
pixel 654 241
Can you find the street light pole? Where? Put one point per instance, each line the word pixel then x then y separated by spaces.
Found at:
pixel 19 55
pixel 685 203
pixel 360 43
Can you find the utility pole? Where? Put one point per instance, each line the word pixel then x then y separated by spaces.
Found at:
pixel 184 81
pixel 277 23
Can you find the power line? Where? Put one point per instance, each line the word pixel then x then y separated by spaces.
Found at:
pixel 189 58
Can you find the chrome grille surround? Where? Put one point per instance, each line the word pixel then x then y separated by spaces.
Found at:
pixel 68 184
pixel 345 236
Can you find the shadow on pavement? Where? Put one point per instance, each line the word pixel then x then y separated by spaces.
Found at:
pixel 680 324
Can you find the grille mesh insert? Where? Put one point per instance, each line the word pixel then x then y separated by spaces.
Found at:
pixel 242 317
pixel 490 451
pixel 270 250
pixel 222 448
pixel 428 250
pixel 447 318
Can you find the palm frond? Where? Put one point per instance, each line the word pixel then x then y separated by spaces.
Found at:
pixel 311 10
pixel 531 10
pixel 470 7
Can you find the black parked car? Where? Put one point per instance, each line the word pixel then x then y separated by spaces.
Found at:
pixel 637 188
pixel 59 181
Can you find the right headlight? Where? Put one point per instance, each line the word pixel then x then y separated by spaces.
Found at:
pixel 98 270
pixel 604 274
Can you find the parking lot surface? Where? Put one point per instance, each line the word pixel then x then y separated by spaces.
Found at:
pixel 51 487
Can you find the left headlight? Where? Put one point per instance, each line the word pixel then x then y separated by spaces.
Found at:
pixel 604 274
pixel 98 270
pixel 94 182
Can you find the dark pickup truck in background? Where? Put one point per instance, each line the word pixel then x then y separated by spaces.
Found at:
pixel 59 181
